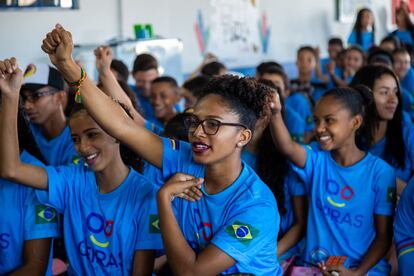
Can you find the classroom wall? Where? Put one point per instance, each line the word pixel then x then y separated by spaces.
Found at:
pixel 292 23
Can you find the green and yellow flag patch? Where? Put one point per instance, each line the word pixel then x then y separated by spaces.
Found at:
pixel 243 232
pixel 45 214
pixel 154 226
pixel 390 194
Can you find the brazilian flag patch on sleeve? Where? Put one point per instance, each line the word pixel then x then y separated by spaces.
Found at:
pixel 390 194
pixel 243 232
pixel 154 226
pixel 45 214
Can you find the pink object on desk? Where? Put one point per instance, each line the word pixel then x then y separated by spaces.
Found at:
pixel 305 271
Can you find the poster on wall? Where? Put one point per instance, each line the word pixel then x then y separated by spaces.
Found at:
pixel 346 10
pixel 397 3
pixel 233 30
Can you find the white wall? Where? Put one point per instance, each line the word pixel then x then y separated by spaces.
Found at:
pixel 293 23
pixel 22 32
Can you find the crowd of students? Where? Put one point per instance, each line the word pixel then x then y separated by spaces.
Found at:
pixel 225 175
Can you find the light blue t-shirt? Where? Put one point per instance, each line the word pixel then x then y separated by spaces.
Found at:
pixel 408 137
pixel 146 107
pixel 303 107
pixel 337 225
pixel 103 231
pixel 57 151
pixel 366 37
pixel 23 218
pixel 295 125
pixel 228 219
pixel 404 230
pixel 154 128
pixel 292 187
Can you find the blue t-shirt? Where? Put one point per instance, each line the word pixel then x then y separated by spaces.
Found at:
pixel 303 107
pixel 146 106
pixel 153 127
pixel 408 137
pixel 228 219
pixel 366 37
pixel 23 218
pixel 295 125
pixel 408 102
pixel 103 231
pixel 404 230
pixel 404 36
pixel 292 187
pixel 407 81
pixel 57 151
pixel 337 225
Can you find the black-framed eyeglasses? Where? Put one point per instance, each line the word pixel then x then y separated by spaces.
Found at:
pixel 210 126
pixel 36 95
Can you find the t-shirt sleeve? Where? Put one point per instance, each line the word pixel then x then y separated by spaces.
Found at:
pixel 246 234
pixel 295 185
pixel 305 174
pixel 176 155
pixel 385 191
pixel 352 38
pixel 59 180
pixel 147 221
pixel 40 221
pixel 154 128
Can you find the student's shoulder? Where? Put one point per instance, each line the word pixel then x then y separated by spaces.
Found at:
pixel 140 185
pixel 253 190
pixel 378 166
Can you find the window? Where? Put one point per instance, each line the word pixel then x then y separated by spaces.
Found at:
pixel 65 4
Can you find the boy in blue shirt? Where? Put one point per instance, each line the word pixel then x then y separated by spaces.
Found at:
pixel 144 71
pixel 43 96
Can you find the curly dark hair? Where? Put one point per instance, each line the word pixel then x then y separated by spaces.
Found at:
pixel 244 96
pixel 129 157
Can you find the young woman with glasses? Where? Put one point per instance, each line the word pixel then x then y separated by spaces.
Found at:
pixel 229 223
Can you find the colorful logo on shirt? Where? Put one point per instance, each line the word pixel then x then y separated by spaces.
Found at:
pixel 405 246
pixel 100 229
pixel 390 194
pixel 154 226
pixel 76 160
pixel 243 232
pixel 45 214
pixel 334 190
pixel 4 240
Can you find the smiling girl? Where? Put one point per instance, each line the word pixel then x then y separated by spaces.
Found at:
pixel 107 207
pixel 339 180
pixel 233 226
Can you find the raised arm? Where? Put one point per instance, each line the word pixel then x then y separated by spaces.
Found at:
pixel 109 115
pixel 11 168
pixel 110 85
pixel 281 137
